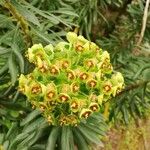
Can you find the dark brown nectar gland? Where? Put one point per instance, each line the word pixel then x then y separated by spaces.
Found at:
pixel 49 119
pixel 51 103
pixel 64 98
pixel 36 89
pixel 42 107
pixel 79 48
pixel 104 65
pixel 86 114
pixel 63 121
pixel 89 63
pixel 65 64
pixel 92 83
pixel 22 89
pixel 54 70
pixel 43 68
pixel 94 107
pixel 75 87
pixel 70 75
pixel 50 95
pixel 74 105
pixel 84 76
pixel 107 88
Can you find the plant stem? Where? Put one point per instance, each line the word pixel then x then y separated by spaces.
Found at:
pixel 21 20
pixel 106 110
pixel 133 86
pixel 144 22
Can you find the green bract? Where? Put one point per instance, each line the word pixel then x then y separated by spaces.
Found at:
pixel 70 81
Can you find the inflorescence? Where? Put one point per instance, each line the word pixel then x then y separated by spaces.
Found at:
pixel 70 81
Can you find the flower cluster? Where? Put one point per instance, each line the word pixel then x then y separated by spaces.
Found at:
pixel 70 81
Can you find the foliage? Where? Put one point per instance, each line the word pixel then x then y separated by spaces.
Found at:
pixel 113 24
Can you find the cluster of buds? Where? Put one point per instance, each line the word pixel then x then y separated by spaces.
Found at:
pixel 70 81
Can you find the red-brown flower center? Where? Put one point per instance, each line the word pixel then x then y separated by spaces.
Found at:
pixel 75 88
pixel 53 70
pixel 86 114
pixel 36 89
pixel 50 94
pixel 65 64
pixel 92 83
pixel 79 48
pixel 107 88
pixel 83 76
pixel 64 98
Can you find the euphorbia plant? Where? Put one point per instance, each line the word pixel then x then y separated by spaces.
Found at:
pixel 69 84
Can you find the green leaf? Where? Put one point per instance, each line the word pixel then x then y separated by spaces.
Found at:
pixel 39 133
pixel 66 12
pixel 12 69
pixel 6 22
pixel 28 14
pixel 4 68
pixel 94 128
pixel 15 49
pixel 80 140
pixel 89 135
pixel 1 137
pixel 66 138
pixel 14 114
pixel 25 142
pixel 34 125
pixel 125 114
pixel 51 143
pixel 11 130
pixel 30 117
pixel 146 74
pixel 6 145
pixel 38 147
pixel 17 140
pixel 7 37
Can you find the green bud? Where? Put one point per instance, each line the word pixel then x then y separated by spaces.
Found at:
pixel 71 37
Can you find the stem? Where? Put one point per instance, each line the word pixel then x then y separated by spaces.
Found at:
pixel 21 20
pixel 106 110
pixel 133 86
pixel 144 22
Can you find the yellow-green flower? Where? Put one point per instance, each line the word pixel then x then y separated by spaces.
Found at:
pixel 63 97
pixel 85 113
pixel 107 88
pixel 50 92
pixel 94 107
pixel 75 105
